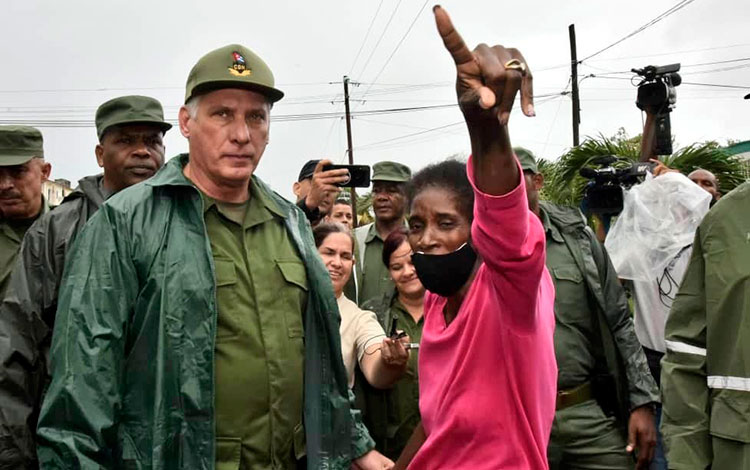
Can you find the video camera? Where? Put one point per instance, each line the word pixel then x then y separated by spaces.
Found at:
pixel 603 195
pixel 656 93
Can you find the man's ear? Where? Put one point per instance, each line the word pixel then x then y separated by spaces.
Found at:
pixel 46 170
pixel 183 118
pixel 296 188
pixel 538 181
pixel 99 151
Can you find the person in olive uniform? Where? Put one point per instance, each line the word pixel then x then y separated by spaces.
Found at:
pixel 130 149
pixel 705 375
pixel 389 181
pixel 392 415
pixel 594 335
pixel 196 326
pixel 22 172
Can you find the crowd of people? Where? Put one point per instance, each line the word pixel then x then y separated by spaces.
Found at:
pixel 183 315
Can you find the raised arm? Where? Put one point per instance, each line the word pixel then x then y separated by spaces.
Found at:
pixel 487 81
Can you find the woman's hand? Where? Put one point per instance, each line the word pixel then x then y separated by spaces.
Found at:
pixel 393 352
pixel 372 460
pixel 487 82
pixel 487 79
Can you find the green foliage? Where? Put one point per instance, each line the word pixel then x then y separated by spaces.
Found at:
pixel 564 185
pixel 364 209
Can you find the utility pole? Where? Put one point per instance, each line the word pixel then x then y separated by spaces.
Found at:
pixel 574 82
pixel 352 192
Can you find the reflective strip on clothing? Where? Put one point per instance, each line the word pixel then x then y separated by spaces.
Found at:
pixel 741 384
pixel 677 346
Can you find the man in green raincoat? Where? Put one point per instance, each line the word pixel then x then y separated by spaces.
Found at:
pixel 196 327
pixel 705 373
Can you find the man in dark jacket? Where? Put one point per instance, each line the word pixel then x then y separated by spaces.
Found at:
pixel 130 149
pixel 601 408
pixel 197 327
pixel 22 172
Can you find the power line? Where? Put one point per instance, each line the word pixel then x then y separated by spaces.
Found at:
pixel 717 85
pixel 388 60
pixel 677 7
pixel 685 51
pixel 367 35
pixel 390 19
pixel 276 118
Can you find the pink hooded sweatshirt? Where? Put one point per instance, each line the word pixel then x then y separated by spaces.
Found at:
pixel 487 381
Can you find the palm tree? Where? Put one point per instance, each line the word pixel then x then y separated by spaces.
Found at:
pixel 564 185
pixel 364 209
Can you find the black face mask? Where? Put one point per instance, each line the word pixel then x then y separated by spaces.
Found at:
pixel 445 274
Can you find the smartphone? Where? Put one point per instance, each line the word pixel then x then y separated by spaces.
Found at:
pixel 359 175
pixel 394 328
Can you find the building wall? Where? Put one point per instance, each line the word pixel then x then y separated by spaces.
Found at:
pixel 55 191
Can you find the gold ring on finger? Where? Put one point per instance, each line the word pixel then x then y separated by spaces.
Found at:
pixel 515 64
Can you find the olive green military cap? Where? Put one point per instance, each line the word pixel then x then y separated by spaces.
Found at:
pixel 19 144
pixel 130 110
pixel 527 159
pixel 390 171
pixel 232 66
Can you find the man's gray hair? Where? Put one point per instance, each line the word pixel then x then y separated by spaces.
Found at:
pixel 192 106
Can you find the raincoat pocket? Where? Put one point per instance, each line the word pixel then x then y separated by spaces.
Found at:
pixel 730 416
pixel 228 453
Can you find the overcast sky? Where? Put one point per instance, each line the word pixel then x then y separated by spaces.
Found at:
pixel 60 60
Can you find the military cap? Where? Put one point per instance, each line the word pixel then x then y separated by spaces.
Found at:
pixel 231 66
pixel 19 144
pixel 527 159
pixel 307 170
pixel 390 171
pixel 130 110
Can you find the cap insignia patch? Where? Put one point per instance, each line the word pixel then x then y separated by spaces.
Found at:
pixel 239 68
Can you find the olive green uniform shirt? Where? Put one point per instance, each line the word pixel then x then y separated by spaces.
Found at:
pixel 11 236
pixel 391 415
pixel 376 280
pixel 574 317
pixel 259 362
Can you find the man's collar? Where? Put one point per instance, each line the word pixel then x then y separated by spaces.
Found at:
pixel 549 227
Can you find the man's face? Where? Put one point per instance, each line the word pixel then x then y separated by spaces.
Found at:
pixel 389 201
pixel 228 134
pixel 341 213
pixel 706 180
pixel 21 189
pixel 130 154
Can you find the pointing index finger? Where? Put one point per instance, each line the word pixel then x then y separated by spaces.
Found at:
pixel 452 40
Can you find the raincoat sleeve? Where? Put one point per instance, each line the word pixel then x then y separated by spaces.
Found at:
pixel 22 364
pixel 685 413
pixel 642 388
pixel 77 424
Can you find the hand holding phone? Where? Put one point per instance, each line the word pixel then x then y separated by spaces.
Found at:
pixel 359 175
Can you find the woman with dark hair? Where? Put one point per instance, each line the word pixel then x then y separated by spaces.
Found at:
pixel 391 415
pixel 487 369
pixel 363 341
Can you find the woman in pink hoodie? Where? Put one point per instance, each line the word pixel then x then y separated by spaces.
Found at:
pixel 487 364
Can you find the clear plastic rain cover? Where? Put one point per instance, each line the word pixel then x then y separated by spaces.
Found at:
pixel 658 219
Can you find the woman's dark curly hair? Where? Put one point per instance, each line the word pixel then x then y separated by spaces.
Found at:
pixel 449 175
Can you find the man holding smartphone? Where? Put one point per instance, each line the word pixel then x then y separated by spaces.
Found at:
pixel 316 189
